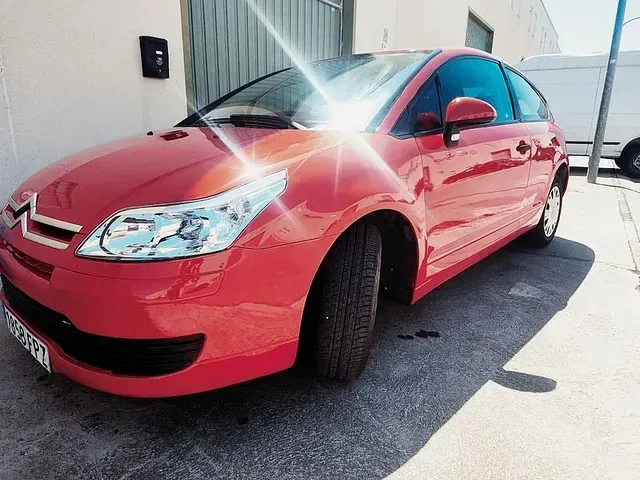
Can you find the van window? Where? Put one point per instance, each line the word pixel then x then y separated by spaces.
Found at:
pixel 426 101
pixel 530 104
pixel 477 78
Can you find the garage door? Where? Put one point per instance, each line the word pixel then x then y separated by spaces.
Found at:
pixel 228 44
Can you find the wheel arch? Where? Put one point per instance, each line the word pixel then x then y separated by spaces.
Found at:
pixel 631 144
pixel 399 269
pixel 400 252
pixel 563 173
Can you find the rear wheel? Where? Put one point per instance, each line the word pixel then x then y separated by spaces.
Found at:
pixel 629 163
pixel 347 302
pixel 546 229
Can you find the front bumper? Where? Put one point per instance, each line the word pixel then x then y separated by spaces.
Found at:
pixel 247 312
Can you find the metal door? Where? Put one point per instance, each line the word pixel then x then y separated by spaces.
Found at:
pixel 231 42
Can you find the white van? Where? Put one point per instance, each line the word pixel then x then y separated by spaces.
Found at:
pixel 573 87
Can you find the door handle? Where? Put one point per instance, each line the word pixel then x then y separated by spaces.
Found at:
pixel 523 147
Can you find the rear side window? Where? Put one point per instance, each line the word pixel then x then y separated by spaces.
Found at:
pixel 530 104
pixel 425 102
pixel 477 78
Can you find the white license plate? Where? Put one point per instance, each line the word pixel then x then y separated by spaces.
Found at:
pixel 36 348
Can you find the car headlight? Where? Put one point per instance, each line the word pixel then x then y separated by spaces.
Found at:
pixel 183 230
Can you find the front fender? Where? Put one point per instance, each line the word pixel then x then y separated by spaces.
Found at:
pixel 328 192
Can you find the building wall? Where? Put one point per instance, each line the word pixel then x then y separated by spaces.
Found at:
pixel 70 78
pixel 521 27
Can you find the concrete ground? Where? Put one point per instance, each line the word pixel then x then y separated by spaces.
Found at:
pixel 534 375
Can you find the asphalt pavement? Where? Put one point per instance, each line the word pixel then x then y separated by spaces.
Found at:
pixel 524 366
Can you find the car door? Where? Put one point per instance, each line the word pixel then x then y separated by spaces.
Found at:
pixel 534 113
pixel 475 190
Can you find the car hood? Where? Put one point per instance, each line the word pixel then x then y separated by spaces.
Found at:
pixel 166 167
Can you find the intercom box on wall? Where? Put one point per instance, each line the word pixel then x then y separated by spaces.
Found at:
pixel 155 57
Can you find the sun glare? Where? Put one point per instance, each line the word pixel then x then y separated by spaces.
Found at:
pixel 338 111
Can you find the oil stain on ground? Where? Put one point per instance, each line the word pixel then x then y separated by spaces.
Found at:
pixel 427 334
pixel 420 334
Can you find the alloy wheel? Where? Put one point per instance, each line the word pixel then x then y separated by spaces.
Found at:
pixel 552 211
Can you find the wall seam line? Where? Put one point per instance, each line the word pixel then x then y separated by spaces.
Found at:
pixel 7 105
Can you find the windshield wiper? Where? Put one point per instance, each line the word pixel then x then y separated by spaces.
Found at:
pixel 254 120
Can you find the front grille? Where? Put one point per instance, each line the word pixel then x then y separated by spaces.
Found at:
pixel 42 228
pixel 40 268
pixel 140 358
pixel 36 227
pixel 52 232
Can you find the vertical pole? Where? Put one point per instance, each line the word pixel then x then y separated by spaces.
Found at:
pixel 594 160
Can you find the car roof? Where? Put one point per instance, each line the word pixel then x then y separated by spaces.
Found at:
pixel 453 51
pixel 560 61
pixel 450 52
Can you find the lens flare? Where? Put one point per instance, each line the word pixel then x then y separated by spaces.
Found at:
pixel 251 170
pixel 254 170
pixel 368 151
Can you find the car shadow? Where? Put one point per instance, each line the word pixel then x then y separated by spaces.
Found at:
pixel 427 361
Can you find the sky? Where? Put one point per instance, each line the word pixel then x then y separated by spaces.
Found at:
pixel 586 26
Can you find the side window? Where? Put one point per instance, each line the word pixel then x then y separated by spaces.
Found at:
pixel 422 114
pixel 531 106
pixel 477 78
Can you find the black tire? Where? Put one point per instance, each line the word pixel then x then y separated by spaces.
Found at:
pixel 540 237
pixel 347 302
pixel 629 163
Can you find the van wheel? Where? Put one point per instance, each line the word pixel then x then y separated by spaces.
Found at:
pixel 630 162
pixel 545 231
pixel 348 298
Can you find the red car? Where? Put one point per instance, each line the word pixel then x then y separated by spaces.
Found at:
pixel 198 257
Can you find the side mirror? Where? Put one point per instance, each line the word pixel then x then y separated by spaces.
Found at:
pixel 465 112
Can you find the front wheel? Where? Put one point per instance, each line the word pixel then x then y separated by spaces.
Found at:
pixel 546 228
pixel 348 298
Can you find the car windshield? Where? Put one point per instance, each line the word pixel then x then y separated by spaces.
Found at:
pixel 342 93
